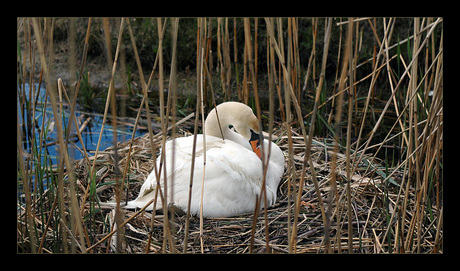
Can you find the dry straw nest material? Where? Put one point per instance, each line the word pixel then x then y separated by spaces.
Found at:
pixel 378 206
pixel 372 206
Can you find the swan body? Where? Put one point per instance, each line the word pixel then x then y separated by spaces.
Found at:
pixel 233 172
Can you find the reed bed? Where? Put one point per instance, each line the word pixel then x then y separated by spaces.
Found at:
pixel 362 140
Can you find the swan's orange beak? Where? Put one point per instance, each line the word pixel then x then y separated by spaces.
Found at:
pixel 255 143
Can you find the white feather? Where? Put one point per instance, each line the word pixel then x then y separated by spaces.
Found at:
pixel 232 182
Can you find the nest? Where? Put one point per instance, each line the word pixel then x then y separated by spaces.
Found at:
pixel 271 231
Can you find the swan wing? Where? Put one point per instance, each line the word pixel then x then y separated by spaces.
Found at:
pixel 232 177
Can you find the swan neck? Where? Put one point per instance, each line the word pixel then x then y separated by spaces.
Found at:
pixel 220 128
pixel 214 127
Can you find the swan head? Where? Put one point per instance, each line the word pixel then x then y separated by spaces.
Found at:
pixel 238 115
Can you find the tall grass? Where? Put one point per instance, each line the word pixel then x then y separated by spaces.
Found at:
pixel 361 128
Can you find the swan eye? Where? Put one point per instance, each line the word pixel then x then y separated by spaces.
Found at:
pixel 232 128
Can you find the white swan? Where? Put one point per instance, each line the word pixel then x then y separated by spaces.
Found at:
pixel 233 170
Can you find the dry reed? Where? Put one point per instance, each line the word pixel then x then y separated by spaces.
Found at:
pixel 334 196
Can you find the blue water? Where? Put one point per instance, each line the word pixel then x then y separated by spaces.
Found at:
pixel 90 134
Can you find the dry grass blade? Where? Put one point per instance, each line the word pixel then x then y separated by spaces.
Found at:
pixel 355 105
